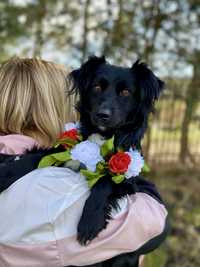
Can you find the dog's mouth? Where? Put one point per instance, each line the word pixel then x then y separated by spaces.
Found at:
pixel 106 125
pixel 102 128
pixel 101 124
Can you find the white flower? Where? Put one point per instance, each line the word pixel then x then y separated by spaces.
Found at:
pixel 97 139
pixel 136 164
pixel 71 125
pixel 87 153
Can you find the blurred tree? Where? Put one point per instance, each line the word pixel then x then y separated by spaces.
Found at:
pixel 191 101
pixel 11 27
pixel 39 12
pixel 48 24
pixel 189 50
pixel 85 29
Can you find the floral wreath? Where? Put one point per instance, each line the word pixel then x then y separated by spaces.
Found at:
pixel 96 156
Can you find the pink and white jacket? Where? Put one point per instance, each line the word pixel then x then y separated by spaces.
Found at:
pixel 40 212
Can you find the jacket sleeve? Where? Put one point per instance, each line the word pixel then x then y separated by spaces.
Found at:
pixel 139 228
pixel 162 222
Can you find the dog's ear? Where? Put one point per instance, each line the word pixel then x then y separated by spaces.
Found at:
pixel 149 85
pixel 82 77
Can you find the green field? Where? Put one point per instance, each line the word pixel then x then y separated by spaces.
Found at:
pixel 180 189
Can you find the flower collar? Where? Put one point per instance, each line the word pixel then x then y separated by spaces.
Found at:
pixel 95 156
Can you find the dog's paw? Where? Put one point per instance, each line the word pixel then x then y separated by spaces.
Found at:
pixel 90 225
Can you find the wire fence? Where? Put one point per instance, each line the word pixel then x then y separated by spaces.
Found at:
pixel 166 136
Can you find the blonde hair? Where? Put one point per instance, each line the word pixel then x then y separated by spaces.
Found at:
pixel 32 99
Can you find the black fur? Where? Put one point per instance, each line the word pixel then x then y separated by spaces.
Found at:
pixel 107 109
pixel 13 167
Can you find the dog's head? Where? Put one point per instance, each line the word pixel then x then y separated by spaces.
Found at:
pixel 115 99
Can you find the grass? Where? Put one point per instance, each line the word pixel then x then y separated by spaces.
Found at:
pixel 180 188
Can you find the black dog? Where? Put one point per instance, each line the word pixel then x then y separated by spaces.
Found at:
pixel 113 101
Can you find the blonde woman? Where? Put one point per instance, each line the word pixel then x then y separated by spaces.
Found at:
pixel 40 208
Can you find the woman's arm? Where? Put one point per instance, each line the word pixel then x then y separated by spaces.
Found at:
pixel 103 197
pixel 43 210
pixel 140 228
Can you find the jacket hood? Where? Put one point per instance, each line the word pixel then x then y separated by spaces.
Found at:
pixel 16 144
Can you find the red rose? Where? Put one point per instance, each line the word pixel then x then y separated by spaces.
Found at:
pixel 119 162
pixel 72 134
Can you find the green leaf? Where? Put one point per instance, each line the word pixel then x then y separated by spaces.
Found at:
pixel 54 159
pixel 118 179
pixel 92 177
pixel 66 141
pixel 62 156
pixel 92 182
pixel 101 167
pixel 146 168
pixel 46 161
pixel 108 147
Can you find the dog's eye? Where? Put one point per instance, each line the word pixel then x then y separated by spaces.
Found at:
pixel 124 92
pixel 97 88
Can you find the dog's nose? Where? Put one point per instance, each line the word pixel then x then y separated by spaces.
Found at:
pixel 104 114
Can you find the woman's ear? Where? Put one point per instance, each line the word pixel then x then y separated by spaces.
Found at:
pixel 147 82
pixel 82 77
